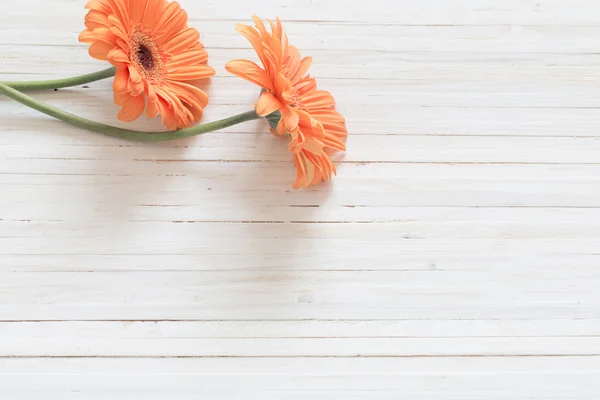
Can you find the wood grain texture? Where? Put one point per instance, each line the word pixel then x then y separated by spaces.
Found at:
pixel 455 256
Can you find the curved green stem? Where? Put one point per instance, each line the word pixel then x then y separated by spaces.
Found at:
pixel 62 83
pixel 124 133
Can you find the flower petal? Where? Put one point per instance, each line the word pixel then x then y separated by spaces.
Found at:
pixel 118 57
pixel 173 19
pixel 191 73
pixel 267 104
pixel 181 41
pixel 97 5
pixel 152 109
pixel 289 117
pixel 152 12
pixel 132 109
pixel 198 94
pixel 135 88
pixel 185 58
pixel 300 163
pixel 99 50
pixel 134 74
pixel 96 19
pixel 283 86
pixel 318 99
pixel 121 80
pixel 121 98
pixel 302 69
pixel 87 36
pixel 119 8
pixel 251 72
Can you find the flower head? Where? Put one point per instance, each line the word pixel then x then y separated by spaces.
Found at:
pixel 302 112
pixel 156 54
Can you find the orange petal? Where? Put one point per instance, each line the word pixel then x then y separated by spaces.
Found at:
pixel 185 58
pixel 121 98
pixel 99 50
pixel 96 19
pixel 132 109
pixel 290 117
pixel 121 80
pixel 300 163
pixel 267 104
pixel 168 14
pixel 283 86
pixel 134 74
pixel 328 114
pixel 120 9
pixel 308 173
pixel 119 32
pixel 318 176
pixel 333 143
pixel 310 126
pixel 152 109
pixel 191 73
pixel 181 41
pixel 251 72
pixel 135 88
pixel 260 26
pixel 302 69
pixel 280 32
pixel 124 45
pixel 117 57
pixel 292 60
pixel 276 30
pixel 117 23
pixel 313 146
pixel 97 5
pixel 281 131
pixel 168 115
pixel 152 12
pixel 174 25
pixel 198 94
pixel 106 35
pixel 87 36
pixel 136 10
pixel 318 99
pixel 335 129
pixel 305 85
pixel 255 40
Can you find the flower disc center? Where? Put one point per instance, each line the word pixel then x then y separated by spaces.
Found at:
pixel 145 57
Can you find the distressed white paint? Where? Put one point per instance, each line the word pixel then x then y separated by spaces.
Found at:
pixel 456 255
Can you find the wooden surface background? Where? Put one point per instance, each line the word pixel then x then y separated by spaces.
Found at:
pixel 455 256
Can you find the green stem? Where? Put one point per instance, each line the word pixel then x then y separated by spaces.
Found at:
pixel 124 133
pixel 62 83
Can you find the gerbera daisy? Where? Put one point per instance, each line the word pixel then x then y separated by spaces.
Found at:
pixel 291 101
pixel 156 54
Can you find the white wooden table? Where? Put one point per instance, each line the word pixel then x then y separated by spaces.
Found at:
pixel 455 256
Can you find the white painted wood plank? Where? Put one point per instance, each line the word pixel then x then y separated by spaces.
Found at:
pixel 377 378
pixel 365 148
pixel 547 386
pixel 300 347
pixel 408 12
pixel 500 218
pixel 119 330
pixel 268 184
pixel 351 38
pixel 503 258
pixel 257 366
pixel 563 308
pixel 454 253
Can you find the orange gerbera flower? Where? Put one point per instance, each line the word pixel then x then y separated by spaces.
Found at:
pixel 291 101
pixel 156 54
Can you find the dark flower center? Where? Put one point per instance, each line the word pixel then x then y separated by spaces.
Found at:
pixel 145 57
